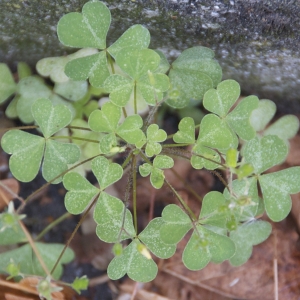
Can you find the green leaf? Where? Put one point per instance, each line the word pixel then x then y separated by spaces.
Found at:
pixel 154 137
pixel 30 89
pixel 23 70
pixel 210 211
pixel 264 153
pixel 106 119
pixel 130 130
pixel 50 118
pixel 93 67
pixel 263 114
pixel 134 263
pixel 54 67
pixel 176 224
pixel 215 133
pixel 137 63
pixel 136 36
pixel 220 100
pixel 71 90
pixel 27 151
pixel 80 284
pixel 244 198
pixel 10 233
pixel 145 169
pixel 186 133
pixel 207 158
pixel 239 118
pixel 192 74
pixel 276 189
pixel 106 172
pixel 113 219
pixel 86 29
pixel 80 192
pixel 245 237
pixel 29 264
pixel 11 110
pixel 163 64
pixel 285 128
pixel 218 249
pixel 152 86
pixel 186 86
pixel 57 158
pixel 108 142
pixel 150 236
pixel 163 162
pixel 120 89
pixel 157 178
pixel 7 83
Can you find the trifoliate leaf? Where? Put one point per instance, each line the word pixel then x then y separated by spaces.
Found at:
pixel 29 264
pixel 276 189
pixel 186 133
pixel 7 83
pixel 245 237
pixel 138 267
pixel 154 137
pixel 80 192
pixel 176 224
pixel 150 236
pixel 27 151
pixel 264 153
pixel 113 219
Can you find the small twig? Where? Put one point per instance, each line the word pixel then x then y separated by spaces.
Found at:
pixel 275 267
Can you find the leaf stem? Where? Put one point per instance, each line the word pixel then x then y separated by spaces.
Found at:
pixel 51 225
pixel 111 63
pixel 175 145
pixel 134 98
pixel 74 232
pixel 133 166
pixel 72 138
pixel 19 127
pixel 78 127
pixel 185 206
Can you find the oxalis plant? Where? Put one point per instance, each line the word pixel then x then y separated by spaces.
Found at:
pixel 74 135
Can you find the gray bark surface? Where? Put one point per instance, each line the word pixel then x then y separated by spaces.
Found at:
pixel 256 42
